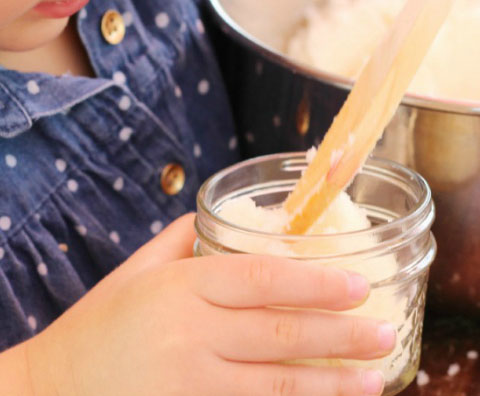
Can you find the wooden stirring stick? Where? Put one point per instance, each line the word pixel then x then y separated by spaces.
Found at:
pixel 366 112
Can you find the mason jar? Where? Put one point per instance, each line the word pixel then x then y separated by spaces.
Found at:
pixel 394 254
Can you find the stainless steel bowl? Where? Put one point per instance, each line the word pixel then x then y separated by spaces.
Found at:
pixel 281 105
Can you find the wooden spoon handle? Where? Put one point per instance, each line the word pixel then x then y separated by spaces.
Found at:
pixel 368 109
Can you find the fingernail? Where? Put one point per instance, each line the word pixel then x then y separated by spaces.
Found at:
pixel 358 287
pixel 372 383
pixel 386 336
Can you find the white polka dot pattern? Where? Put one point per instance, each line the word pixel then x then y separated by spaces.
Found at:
pixel 162 20
pixel 72 185
pixel 115 238
pixel 82 13
pixel 127 18
pixel 81 229
pixel 33 87
pixel 250 137
pixel 11 161
pixel 125 133
pixel 156 227
pixel 453 369
pixel 472 355
pixel 63 247
pixel 2 253
pixel 456 278
pixel 61 165
pixel 203 87
pixel 124 103
pixel 118 184
pixel 32 322
pixel 200 26
pixel 178 92
pixel 197 151
pixel 422 378
pixel 277 121
pixel 5 223
pixel 42 269
pixel 119 78
pixel 232 143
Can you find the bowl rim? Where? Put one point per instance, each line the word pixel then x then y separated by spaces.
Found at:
pixel 232 28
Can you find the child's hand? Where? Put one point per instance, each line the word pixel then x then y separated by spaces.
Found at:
pixel 167 324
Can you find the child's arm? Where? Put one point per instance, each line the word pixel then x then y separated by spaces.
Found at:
pixel 164 323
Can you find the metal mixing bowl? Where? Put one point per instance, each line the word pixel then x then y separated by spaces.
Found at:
pixel 281 105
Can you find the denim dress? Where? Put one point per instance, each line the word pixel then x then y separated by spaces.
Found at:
pixel 85 162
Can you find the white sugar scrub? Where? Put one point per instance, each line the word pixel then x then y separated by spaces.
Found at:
pixel 338 36
pixel 270 21
pixel 380 228
pixel 342 216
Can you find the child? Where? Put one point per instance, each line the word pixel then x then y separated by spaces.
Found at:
pixel 108 126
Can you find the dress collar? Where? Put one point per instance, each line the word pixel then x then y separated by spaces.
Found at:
pixel 27 97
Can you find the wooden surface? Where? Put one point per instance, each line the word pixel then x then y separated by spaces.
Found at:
pixel 450 359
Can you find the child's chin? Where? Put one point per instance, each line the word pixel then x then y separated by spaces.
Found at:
pixel 31 35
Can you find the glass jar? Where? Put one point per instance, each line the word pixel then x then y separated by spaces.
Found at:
pixel 394 254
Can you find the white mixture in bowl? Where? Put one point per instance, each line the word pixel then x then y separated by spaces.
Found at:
pixel 338 36
pixel 342 216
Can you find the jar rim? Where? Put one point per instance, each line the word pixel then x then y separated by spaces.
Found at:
pixel 421 211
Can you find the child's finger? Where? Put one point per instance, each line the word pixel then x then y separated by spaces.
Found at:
pixel 269 335
pixel 246 281
pixel 244 379
pixel 176 241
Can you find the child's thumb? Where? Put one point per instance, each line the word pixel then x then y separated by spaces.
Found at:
pixel 175 242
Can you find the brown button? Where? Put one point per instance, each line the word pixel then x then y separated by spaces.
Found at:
pixel 113 27
pixel 172 179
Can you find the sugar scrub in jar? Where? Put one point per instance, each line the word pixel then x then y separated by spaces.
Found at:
pixel 379 228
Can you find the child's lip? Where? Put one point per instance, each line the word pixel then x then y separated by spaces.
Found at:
pixel 60 9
